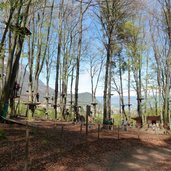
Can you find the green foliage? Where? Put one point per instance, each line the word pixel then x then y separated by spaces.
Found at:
pixel 99 118
pixel 118 64
pixel 51 114
pixel 117 119
pixel 124 66
pixel 82 112
pixel 127 31
pixel 40 112
pixel 24 55
pixel 131 33
pixel 130 29
pixel 152 111
pixel 4 5
pixel 69 118
pixel 22 109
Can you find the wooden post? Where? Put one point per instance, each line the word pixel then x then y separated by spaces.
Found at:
pixel 27 148
pixel 118 132
pixel 62 130
pixel 88 109
pixel 61 146
pixel 11 151
pixel 98 131
pixel 55 123
pixel 139 132
pixel 81 127
pixel 113 124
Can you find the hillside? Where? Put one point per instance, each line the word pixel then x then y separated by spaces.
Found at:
pixel 83 98
pixel 115 101
pixel 42 88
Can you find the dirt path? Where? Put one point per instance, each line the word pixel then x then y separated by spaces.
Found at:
pixel 124 155
pixel 64 148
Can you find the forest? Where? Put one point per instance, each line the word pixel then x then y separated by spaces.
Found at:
pixel 121 44
pixel 57 57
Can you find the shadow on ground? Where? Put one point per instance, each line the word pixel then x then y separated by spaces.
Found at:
pixel 66 149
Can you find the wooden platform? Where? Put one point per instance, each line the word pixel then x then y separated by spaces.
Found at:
pixel 16 97
pixel 47 97
pixel 94 104
pixel 7 120
pixel 30 103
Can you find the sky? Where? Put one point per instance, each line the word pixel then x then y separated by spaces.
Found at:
pixel 84 80
pixel 85 84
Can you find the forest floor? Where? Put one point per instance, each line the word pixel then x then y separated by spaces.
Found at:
pixel 63 147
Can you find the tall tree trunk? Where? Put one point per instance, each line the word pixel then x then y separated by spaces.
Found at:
pixel 109 85
pixel 21 83
pixel 7 27
pixel 2 76
pixel 129 88
pixel 78 58
pixel 31 57
pixel 167 89
pixel 95 89
pixel 8 86
pixel 105 96
pixel 31 45
pixel 71 87
pixel 48 63
pixel 64 84
pixel 12 98
pixel 139 92
pixel 121 88
pixel 159 76
pixel 58 56
pixel 39 63
pixel 2 54
pixel 136 60
pixel 146 86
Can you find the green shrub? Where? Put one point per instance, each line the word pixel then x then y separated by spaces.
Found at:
pixel 51 114
pixel 117 119
pixel 21 109
pixel 98 118
pixel 40 112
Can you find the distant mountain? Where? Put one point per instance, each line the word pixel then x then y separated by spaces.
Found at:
pixel 42 88
pixel 83 98
pixel 115 101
